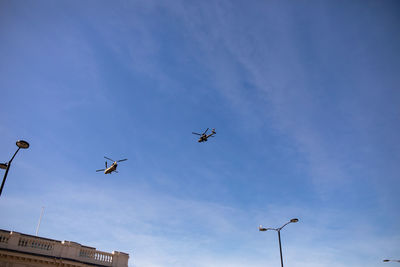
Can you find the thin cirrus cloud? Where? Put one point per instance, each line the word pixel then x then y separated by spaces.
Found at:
pixel 290 70
pixel 293 92
pixel 157 229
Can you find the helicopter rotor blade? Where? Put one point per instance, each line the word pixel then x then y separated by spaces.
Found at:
pixel 206 130
pixel 121 160
pixel 196 133
pixel 109 159
pixel 100 170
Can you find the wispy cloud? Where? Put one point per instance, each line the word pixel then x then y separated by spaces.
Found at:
pixel 282 86
pixel 159 229
pixel 270 69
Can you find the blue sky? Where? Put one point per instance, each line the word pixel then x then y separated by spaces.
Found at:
pixel 303 95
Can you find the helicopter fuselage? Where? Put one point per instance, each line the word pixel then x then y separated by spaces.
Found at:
pixel 204 137
pixel 112 168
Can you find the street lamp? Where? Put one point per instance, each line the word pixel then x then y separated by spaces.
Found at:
pixel 391 260
pixel 262 229
pixel 20 144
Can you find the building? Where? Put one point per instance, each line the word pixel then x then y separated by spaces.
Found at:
pixel 21 250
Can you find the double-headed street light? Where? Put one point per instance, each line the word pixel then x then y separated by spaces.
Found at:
pixel 20 144
pixel 391 260
pixel 262 229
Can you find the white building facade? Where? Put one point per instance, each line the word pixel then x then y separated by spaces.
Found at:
pixel 21 250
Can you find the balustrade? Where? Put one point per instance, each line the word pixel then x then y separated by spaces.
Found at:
pixel 96 255
pixel 4 237
pixel 35 243
pixel 66 249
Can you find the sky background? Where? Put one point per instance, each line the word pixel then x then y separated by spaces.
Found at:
pixel 304 96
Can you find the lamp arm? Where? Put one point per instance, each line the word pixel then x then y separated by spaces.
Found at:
pixel 14 155
pixel 280 228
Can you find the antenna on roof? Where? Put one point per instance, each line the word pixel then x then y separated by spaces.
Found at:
pixel 40 219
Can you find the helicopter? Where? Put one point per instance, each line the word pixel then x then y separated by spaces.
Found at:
pixel 112 168
pixel 204 136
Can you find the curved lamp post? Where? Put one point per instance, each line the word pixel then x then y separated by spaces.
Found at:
pixel 391 260
pixel 20 144
pixel 262 229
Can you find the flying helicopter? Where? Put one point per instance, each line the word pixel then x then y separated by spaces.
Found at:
pixel 204 136
pixel 112 168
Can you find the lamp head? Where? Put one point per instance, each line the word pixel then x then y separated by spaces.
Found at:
pixel 22 144
pixel 294 220
pixel 3 166
pixel 385 260
pixel 261 228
